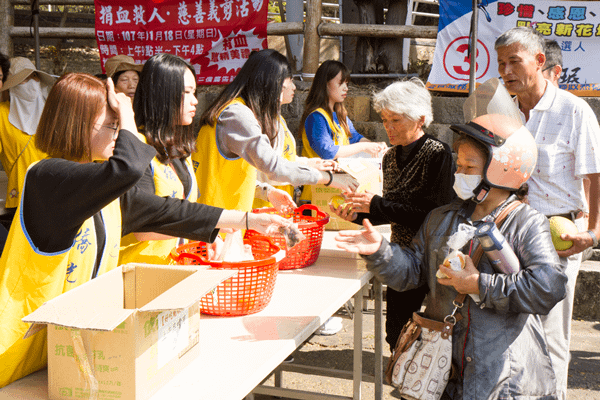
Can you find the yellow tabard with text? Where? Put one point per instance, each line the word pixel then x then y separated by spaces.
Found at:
pixel 31 277
pixel 166 183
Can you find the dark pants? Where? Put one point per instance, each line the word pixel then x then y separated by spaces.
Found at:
pixel 400 307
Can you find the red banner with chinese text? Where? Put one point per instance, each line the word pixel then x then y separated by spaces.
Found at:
pixel 215 36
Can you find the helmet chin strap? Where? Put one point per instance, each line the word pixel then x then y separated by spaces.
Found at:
pixel 480 192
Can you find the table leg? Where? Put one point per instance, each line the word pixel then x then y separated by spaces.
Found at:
pixel 278 378
pixel 358 328
pixel 378 331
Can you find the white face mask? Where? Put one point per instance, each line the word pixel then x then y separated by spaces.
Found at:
pixel 26 105
pixel 465 184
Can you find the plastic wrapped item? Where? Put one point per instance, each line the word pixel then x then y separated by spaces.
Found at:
pixel 454 258
pixel 234 249
pixel 491 97
pixel 292 234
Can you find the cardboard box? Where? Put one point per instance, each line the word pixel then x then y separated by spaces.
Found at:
pixel 126 333
pixel 368 173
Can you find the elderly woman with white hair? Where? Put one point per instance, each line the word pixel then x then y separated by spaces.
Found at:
pixel 418 175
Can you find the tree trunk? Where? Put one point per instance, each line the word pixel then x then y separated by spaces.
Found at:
pixel 389 57
pixel 369 12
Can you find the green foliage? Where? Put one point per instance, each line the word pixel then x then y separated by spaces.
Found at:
pixel 274 9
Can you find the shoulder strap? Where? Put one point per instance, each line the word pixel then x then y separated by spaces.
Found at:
pixel 460 298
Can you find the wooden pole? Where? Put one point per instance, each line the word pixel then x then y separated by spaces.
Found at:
pixel 285 28
pixel 35 10
pixel 6 20
pixel 384 31
pixel 473 47
pixel 276 29
pixel 312 40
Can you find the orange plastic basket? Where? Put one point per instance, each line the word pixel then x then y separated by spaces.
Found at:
pixel 306 252
pixel 246 293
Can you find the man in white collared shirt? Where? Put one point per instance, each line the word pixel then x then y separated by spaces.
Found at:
pixel 568 137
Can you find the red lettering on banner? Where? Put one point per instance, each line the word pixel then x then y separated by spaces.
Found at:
pixel 216 36
pixel 240 41
pixel 505 9
pixel 526 10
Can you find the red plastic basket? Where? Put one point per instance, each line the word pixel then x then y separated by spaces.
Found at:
pixel 246 293
pixel 306 252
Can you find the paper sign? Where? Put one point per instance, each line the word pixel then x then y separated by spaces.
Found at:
pixel 575 25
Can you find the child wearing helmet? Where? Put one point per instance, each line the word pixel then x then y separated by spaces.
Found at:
pixel 499 347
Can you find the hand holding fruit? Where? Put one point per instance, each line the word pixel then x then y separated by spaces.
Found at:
pixel 360 202
pixel 338 205
pixel 566 238
pixel 465 281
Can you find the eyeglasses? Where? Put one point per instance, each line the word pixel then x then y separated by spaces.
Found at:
pixel 115 129
pixel 547 68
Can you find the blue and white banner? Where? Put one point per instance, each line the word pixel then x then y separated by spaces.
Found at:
pixel 575 25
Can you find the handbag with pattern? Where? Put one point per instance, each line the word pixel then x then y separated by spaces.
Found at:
pixel 422 361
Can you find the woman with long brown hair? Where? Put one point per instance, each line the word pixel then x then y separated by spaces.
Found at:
pixel 237 138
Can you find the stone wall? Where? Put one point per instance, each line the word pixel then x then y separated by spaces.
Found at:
pixel 446 111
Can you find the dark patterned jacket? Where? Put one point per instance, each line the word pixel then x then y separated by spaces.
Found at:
pixel 412 188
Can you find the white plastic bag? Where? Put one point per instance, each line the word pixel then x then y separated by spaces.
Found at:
pixel 234 249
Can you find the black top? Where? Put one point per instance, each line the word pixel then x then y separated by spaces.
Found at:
pixel 59 195
pixel 413 185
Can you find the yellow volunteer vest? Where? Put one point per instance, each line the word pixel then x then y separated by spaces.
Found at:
pixel 30 277
pixel 339 137
pixel 166 183
pixel 289 153
pixel 223 182
pixel 17 152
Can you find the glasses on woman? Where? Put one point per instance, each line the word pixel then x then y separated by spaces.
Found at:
pixel 114 128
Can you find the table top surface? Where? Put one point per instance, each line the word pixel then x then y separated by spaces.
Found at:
pixel 237 353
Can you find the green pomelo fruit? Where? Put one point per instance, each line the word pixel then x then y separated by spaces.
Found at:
pixel 337 201
pixel 558 226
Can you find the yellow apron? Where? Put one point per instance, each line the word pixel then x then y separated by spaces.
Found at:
pixel 340 138
pixel 223 182
pixel 166 183
pixel 289 153
pixel 30 277
pixel 17 152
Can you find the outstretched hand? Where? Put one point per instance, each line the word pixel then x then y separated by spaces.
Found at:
pixel 266 223
pixel 344 182
pixel 364 242
pixel 282 201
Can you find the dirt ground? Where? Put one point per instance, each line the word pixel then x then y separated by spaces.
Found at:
pixel 336 352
